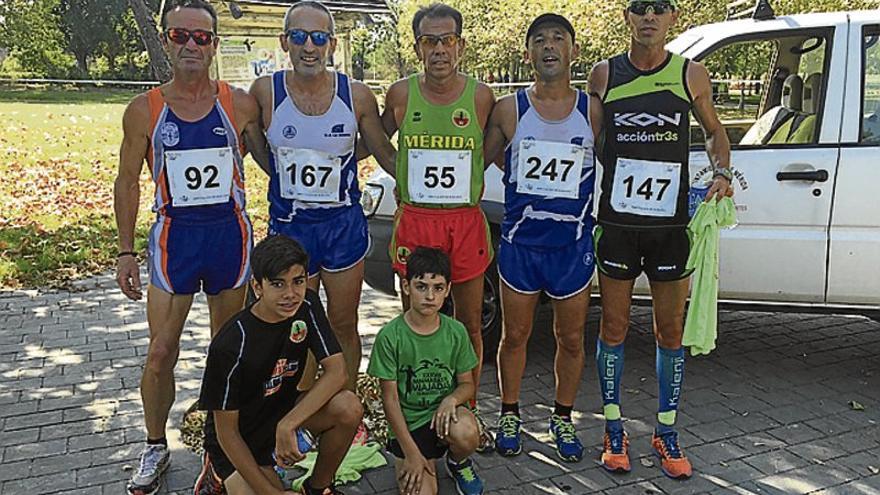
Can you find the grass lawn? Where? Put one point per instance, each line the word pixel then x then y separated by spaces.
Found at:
pixel 58 155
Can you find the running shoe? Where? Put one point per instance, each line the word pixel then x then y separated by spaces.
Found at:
pixel 614 451
pixel 487 442
pixel 466 480
pixel 568 447
pixel 155 459
pixel 507 440
pixel 208 483
pixel 673 463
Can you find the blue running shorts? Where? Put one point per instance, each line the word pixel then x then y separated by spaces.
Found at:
pixel 186 257
pixel 561 272
pixel 335 244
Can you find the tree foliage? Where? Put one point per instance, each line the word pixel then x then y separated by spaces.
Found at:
pixel 81 38
pixel 28 28
pixel 494 30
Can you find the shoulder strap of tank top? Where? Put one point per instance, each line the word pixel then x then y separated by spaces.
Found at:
pixel 157 104
pixel 522 103
pixel 343 89
pixel 224 95
pixel 279 91
pixel 583 104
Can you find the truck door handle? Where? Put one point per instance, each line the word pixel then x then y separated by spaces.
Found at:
pixel 814 176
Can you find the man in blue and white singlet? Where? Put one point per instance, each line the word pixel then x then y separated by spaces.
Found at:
pixel 312 117
pixel 546 235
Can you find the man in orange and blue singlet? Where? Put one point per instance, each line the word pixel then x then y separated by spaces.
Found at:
pixel 190 131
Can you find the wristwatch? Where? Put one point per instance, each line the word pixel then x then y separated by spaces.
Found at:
pixel 723 172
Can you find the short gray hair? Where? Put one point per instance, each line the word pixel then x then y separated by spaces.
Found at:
pixel 314 4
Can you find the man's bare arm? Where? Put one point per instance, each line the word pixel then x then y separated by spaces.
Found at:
pixel 371 128
pixel 395 106
pixel 496 136
pixel 597 85
pixel 717 142
pixel 249 112
pixel 126 191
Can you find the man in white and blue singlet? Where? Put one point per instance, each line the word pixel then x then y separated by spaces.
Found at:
pixel 546 235
pixel 312 117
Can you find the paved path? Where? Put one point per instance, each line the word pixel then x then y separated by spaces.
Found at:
pixel 773 410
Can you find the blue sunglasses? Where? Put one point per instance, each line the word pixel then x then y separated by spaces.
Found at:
pixel 299 37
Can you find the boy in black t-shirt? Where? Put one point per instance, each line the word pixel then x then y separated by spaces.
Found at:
pixel 251 376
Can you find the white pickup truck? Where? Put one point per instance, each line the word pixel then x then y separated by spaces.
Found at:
pixel 805 153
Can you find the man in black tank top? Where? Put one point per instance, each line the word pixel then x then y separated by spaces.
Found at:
pixel 640 104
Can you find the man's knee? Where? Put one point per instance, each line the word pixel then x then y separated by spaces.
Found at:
pixel 515 335
pixel 669 337
pixel 613 327
pixel 346 409
pixel 344 323
pixel 571 340
pixel 162 355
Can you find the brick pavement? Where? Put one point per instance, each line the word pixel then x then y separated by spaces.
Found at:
pixel 769 412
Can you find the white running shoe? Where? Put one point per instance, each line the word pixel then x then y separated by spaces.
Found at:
pixel 155 459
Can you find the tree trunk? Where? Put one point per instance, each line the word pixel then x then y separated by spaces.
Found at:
pixel 150 35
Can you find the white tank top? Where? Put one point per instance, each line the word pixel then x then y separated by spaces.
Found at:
pixel 313 159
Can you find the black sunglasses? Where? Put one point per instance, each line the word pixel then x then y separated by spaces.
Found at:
pixel 658 8
pixel 181 36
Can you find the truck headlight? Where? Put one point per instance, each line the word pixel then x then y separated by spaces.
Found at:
pixel 371 197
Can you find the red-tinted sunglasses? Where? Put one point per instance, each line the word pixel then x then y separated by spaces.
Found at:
pixel 181 36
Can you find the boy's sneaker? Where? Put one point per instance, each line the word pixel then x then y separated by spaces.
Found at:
pixel 615 457
pixel 507 440
pixel 466 480
pixel 568 446
pixel 155 459
pixel 673 463
pixel 487 442
pixel 208 483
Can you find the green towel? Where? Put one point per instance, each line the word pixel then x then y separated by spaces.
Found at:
pixel 701 326
pixel 358 458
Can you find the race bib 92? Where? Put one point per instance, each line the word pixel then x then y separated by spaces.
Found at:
pixel 199 177
pixel 645 187
pixel 439 176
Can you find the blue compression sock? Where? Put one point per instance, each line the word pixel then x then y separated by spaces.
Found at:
pixel 609 363
pixel 670 374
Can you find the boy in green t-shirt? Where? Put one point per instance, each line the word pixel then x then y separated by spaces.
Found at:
pixel 424 361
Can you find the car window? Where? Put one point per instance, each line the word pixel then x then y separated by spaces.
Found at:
pixel 768 91
pixel 870 133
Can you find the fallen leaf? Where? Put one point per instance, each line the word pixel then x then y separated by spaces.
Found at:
pixel 874 470
pixel 646 462
pixel 856 406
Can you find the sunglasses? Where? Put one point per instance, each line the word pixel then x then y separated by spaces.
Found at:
pixel 658 8
pixel 430 40
pixel 181 36
pixel 299 37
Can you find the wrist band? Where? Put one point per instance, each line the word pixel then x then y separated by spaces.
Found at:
pixel 120 254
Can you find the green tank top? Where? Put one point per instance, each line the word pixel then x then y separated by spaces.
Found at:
pixel 440 151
